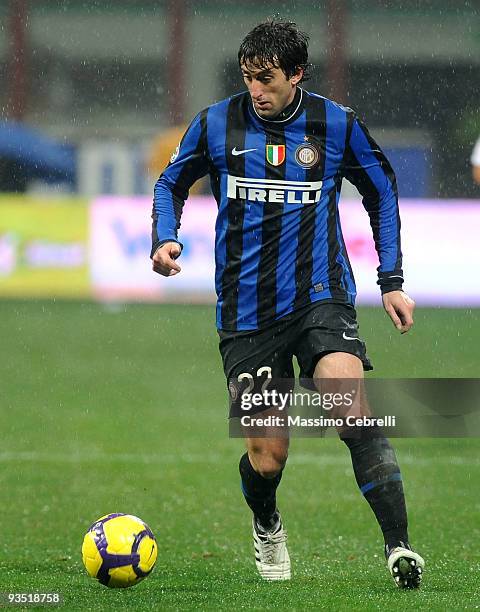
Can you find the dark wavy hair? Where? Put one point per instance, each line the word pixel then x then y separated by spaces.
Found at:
pixel 279 43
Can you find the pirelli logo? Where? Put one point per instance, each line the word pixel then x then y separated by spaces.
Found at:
pixel 270 190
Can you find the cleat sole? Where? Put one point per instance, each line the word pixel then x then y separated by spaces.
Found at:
pixel 406 568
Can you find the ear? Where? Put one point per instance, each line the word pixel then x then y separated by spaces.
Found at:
pixel 297 77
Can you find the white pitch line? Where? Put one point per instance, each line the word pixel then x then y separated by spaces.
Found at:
pixel 319 459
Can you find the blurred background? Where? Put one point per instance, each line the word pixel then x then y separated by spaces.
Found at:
pixel 94 97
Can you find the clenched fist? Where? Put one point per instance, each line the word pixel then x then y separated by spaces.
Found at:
pixel 163 260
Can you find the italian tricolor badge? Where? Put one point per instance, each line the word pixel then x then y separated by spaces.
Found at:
pixel 275 154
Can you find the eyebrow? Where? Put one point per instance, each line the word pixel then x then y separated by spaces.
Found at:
pixel 267 71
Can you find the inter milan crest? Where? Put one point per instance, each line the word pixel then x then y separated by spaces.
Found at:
pixel 307 155
pixel 275 154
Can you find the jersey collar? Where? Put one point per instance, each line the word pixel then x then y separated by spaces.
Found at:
pixel 292 111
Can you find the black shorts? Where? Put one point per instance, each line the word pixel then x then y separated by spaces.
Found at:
pixel 307 334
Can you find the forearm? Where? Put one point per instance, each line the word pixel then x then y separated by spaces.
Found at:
pixel 385 223
pixel 166 213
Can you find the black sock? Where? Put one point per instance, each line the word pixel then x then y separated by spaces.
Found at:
pixel 259 492
pixel 379 479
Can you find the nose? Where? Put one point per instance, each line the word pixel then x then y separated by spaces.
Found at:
pixel 256 90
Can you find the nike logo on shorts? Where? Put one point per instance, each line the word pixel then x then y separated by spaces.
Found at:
pixel 345 337
pixel 235 152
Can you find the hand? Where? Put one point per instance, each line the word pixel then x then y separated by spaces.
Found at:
pixel 163 260
pixel 399 307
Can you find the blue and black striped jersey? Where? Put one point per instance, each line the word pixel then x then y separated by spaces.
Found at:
pixel 279 243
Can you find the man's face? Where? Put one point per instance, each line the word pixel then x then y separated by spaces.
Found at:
pixel 270 89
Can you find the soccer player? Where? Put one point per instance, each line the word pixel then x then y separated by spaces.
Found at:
pixel 276 156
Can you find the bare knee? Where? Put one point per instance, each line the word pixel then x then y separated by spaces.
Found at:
pixel 267 459
pixel 339 365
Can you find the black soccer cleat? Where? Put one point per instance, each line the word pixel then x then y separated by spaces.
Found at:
pixel 405 565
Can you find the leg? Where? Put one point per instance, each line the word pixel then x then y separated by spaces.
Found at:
pixel 378 476
pixel 261 471
pixel 249 360
pixel 374 461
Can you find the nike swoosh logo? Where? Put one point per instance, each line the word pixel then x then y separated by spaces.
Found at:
pixel 345 337
pixel 235 152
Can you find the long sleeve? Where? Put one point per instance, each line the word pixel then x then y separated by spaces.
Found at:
pixel 369 170
pixel 188 163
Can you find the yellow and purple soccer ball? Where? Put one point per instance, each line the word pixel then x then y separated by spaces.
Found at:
pixel 119 550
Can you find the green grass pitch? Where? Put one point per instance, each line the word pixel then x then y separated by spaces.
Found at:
pixel 124 410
